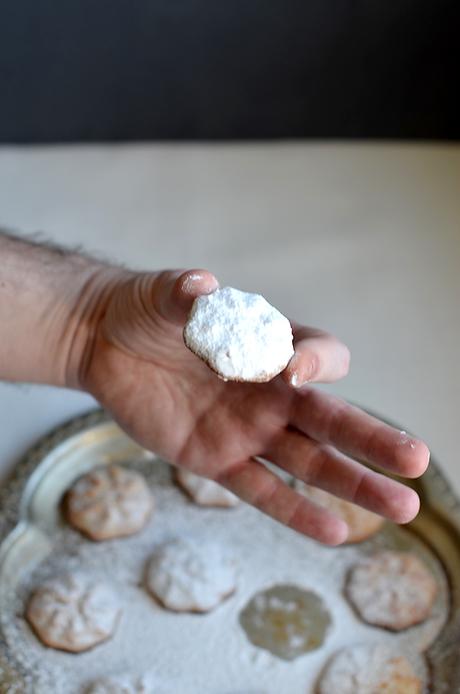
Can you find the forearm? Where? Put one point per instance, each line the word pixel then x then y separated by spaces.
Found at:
pixel 49 298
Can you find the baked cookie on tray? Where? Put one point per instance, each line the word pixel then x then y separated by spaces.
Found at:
pixel 73 612
pixel 362 524
pixel 191 576
pixel 204 492
pixel 390 589
pixel 109 502
pixel 368 669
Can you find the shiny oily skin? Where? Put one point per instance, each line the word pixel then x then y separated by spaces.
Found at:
pixel 286 620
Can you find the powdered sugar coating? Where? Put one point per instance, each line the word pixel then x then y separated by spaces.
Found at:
pixel 109 502
pixel 205 492
pixel 362 524
pixel 191 576
pixel 392 590
pixel 73 612
pixel 124 683
pixel 239 335
pixel 369 669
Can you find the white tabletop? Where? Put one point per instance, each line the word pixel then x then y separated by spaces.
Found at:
pixel 363 240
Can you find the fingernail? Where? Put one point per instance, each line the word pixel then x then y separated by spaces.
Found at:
pixel 294 380
pixel 298 381
pixel 191 279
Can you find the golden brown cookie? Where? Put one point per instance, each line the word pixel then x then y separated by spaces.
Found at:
pixel 109 502
pixel 368 669
pixel 362 524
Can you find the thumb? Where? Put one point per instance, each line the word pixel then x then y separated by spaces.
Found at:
pixel 147 304
pixel 174 292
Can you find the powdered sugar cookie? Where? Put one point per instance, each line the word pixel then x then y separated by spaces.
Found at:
pixel 205 492
pixel 239 335
pixel 109 502
pixel 369 669
pixel 191 576
pixel 392 590
pixel 362 524
pixel 73 612
pixel 124 683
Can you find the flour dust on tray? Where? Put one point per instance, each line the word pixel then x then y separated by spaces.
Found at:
pixel 73 612
pixel 239 335
pixel 188 575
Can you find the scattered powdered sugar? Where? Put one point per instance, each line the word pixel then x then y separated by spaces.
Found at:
pixel 239 335
pixel 189 575
pixel 208 653
pixel 367 669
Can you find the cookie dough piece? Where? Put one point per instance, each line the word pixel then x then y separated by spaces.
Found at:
pixel 392 590
pixel 205 492
pixel 362 524
pixel 73 612
pixel 191 576
pixel 369 669
pixel 239 335
pixel 125 683
pixel 109 502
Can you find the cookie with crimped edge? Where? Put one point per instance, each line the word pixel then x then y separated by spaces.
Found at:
pixel 390 589
pixel 109 502
pixel 187 575
pixel 204 492
pixel 73 612
pixel 369 669
pixel 362 524
pixel 239 335
pixel 124 683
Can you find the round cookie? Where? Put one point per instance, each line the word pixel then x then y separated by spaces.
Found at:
pixel 362 524
pixel 188 576
pixel 124 683
pixel 391 589
pixel 368 669
pixel 239 335
pixel 73 612
pixel 109 502
pixel 205 492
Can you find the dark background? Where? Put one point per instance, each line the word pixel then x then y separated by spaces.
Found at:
pixel 73 70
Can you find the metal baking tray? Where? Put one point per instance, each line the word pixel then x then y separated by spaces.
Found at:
pixel 32 530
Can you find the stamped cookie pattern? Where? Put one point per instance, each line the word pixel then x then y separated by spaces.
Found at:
pixel 73 612
pixel 109 502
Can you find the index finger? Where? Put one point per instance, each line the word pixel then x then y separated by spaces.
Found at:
pixel 360 435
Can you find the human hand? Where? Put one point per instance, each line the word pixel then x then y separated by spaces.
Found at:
pixel 135 363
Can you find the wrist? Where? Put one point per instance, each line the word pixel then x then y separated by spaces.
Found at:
pixel 92 292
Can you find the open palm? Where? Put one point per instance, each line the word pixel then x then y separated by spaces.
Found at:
pixel 138 367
